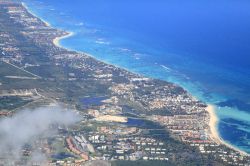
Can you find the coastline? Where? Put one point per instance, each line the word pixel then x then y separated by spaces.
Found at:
pixel 214 133
pixel 56 41
pixel 213 121
pixel 32 13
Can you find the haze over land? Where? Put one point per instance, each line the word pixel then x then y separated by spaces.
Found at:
pixel 27 126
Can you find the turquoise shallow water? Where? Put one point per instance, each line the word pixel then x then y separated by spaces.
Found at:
pixel 200 45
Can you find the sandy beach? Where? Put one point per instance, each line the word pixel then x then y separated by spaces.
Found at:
pixel 213 124
pixel 214 134
pixel 56 41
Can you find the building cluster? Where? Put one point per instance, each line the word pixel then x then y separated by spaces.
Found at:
pixel 118 130
pixel 116 146
pixel 79 146
pixel 9 49
pixel 19 92
pixel 157 101
pixel 157 96
pixel 190 128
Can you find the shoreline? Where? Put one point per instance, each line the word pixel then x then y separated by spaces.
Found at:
pixel 213 118
pixel 213 122
pixel 56 41
pixel 32 13
pixel 214 133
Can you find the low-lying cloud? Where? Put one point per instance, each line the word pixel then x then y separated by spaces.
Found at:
pixel 26 126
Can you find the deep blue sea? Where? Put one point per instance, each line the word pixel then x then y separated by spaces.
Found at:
pixel 202 45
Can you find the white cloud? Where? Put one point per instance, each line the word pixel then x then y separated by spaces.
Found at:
pixel 27 125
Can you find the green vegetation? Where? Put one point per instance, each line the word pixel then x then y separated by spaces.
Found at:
pixel 12 102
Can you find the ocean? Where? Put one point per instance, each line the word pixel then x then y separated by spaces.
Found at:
pixel 203 46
